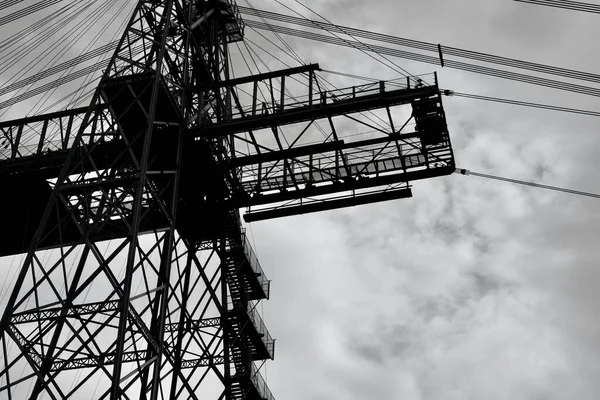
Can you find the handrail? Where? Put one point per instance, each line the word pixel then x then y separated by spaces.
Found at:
pixel 254 263
pixel 260 384
pixel 323 97
pixel 261 328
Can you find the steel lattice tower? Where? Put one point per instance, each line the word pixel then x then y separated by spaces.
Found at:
pixel 138 280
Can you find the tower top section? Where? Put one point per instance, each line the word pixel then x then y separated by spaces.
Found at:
pixel 224 12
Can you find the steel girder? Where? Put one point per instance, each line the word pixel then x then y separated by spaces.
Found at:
pixel 262 163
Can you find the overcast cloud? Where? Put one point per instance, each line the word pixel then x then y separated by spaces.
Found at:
pixel 472 289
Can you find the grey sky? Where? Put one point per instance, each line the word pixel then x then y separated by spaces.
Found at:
pixel 471 289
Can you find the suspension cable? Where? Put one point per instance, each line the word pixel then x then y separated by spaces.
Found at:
pixel 63 17
pixel 425 46
pixel 522 103
pixel 565 4
pixel 520 182
pixel 58 68
pixel 95 16
pixel 320 25
pixel 8 3
pixel 498 73
pixel 293 54
pixel 450 51
pixel 16 37
pixel 24 12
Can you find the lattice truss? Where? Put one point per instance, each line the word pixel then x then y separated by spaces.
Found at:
pixel 287 131
pixel 145 315
pixel 139 280
pixel 83 335
pixel 296 142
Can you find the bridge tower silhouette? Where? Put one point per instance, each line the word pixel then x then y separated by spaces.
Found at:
pixel 137 278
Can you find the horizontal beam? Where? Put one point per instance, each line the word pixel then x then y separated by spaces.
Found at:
pixel 46 117
pixel 78 310
pixel 287 153
pixel 312 149
pixel 128 356
pixel 317 110
pixel 73 311
pixel 264 76
pixel 317 206
pixel 349 185
pixel 194 325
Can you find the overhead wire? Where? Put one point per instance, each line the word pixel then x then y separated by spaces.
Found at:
pixel 51 85
pixel 317 125
pixel 520 64
pixel 317 76
pixel 395 67
pixel 8 3
pixel 79 98
pixel 276 45
pixel 565 4
pixel 290 53
pixel 275 57
pixel 509 75
pixel 256 66
pixel 34 41
pixel 233 76
pixel 364 78
pixel 94 17
pixel 404 72
pixel 562 72
pixel 76 99
pixel 102 11
pixel 425 46
pixel 25 32
pixel 58 82
pixel 462 171
pixel 459 52
pixel 40 5
pixel 287 91
pixel 285 44
pixel 489 58
pixel 58 68
pixel 267 67
pixel 522 103
pixel 380 117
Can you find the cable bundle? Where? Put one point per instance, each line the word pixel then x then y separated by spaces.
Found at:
pixel 59 68
pixel 8 3
pixel 565 4
pixel 554 84
pixel 420 45
pixel 48 40
pixel 25 11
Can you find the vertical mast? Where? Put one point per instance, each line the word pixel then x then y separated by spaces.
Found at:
pixel 127 310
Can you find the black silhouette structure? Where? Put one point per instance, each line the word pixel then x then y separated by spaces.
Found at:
pixel 137 279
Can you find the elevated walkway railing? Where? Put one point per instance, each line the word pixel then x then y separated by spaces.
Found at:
pixel 254 263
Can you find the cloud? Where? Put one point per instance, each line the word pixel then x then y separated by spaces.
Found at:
pixel 471 289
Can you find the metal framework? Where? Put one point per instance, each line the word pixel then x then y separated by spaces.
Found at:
pixel 138 279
